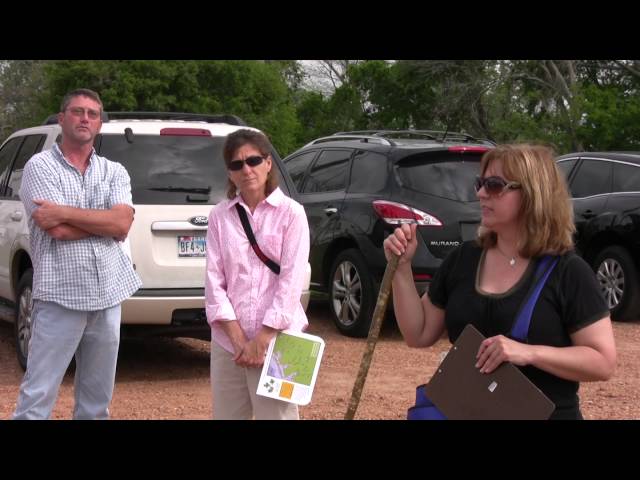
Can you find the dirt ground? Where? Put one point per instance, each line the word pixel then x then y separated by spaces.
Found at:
pixel 169 378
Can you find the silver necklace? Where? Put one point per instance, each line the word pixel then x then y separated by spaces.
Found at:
pixel 512 259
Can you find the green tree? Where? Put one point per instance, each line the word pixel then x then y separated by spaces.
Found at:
pixel 387 100
pixel 21 85
pixel 413 94
pixel 574 104
pixel 448 94
pixel 254 90
pixel 611 118
pixel 319 116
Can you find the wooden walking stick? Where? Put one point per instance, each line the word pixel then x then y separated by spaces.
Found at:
pixel 372 338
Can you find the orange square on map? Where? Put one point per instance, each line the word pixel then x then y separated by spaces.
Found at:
pixel 286 390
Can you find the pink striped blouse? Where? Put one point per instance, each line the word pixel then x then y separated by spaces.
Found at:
pixel 238 285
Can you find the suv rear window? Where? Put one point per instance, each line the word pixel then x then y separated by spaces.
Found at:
pixel 446 175
pixel 170 170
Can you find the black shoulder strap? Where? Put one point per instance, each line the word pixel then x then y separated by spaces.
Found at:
pixel 273 266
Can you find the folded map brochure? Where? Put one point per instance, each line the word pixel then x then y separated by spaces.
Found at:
pixel 291 367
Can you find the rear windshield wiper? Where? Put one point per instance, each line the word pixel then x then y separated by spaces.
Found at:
pixel 181 189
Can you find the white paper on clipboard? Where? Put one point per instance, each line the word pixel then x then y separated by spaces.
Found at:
pixel 291 367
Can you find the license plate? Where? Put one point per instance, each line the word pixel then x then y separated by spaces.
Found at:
pixel 191 246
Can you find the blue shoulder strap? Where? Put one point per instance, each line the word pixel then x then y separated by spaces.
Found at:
pixel 521 328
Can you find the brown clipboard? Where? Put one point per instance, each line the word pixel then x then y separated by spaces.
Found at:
pixel 461 392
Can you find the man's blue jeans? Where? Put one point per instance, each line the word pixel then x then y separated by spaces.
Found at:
pixel 57 334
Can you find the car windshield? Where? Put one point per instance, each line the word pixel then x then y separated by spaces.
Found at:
pixel 449 176
pixel 167 169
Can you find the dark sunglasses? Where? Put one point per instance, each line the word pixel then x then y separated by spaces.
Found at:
pixel 495 185
pixel 254 161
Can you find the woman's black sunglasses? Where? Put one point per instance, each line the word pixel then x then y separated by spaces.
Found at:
pixel 495 185
pixel 253 161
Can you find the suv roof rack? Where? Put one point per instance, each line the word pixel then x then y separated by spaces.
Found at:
pixel 345 136
pixel 389 133
pixel 436 135
pixel 194 117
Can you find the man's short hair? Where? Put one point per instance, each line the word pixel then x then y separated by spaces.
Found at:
pixel 80 92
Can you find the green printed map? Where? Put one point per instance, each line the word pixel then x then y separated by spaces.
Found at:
pixel 294 358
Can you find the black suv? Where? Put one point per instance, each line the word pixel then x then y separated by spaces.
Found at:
pixel 606 200
pixel 356 187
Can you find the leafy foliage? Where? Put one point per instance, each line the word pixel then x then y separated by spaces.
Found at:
pixel 254 91
pixel 572 104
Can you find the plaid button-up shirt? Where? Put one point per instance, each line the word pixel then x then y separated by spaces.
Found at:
pixel 88 274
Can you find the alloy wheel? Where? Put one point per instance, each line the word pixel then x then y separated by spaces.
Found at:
pixel 346 293
pixel 24 320
pixel 611 277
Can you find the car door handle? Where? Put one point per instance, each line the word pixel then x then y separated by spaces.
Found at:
pixel 330 210
pixel 16 216
pixel 588 214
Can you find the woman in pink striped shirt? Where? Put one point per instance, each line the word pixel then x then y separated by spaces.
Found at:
pixel 246 302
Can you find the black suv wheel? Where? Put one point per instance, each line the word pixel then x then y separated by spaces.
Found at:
pixel 618 279
pixel 351 293
pixel 22 324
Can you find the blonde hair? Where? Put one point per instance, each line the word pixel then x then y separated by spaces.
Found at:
pixel 546 210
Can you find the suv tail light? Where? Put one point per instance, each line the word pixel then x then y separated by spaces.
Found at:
pixel 397 213
pixel 186 132
pixel 463 149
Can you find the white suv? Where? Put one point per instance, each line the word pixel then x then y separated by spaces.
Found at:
pixel 177 174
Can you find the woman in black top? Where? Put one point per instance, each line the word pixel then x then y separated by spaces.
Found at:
pixel 526 213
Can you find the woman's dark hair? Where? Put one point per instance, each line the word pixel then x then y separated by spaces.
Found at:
pixel 257 139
